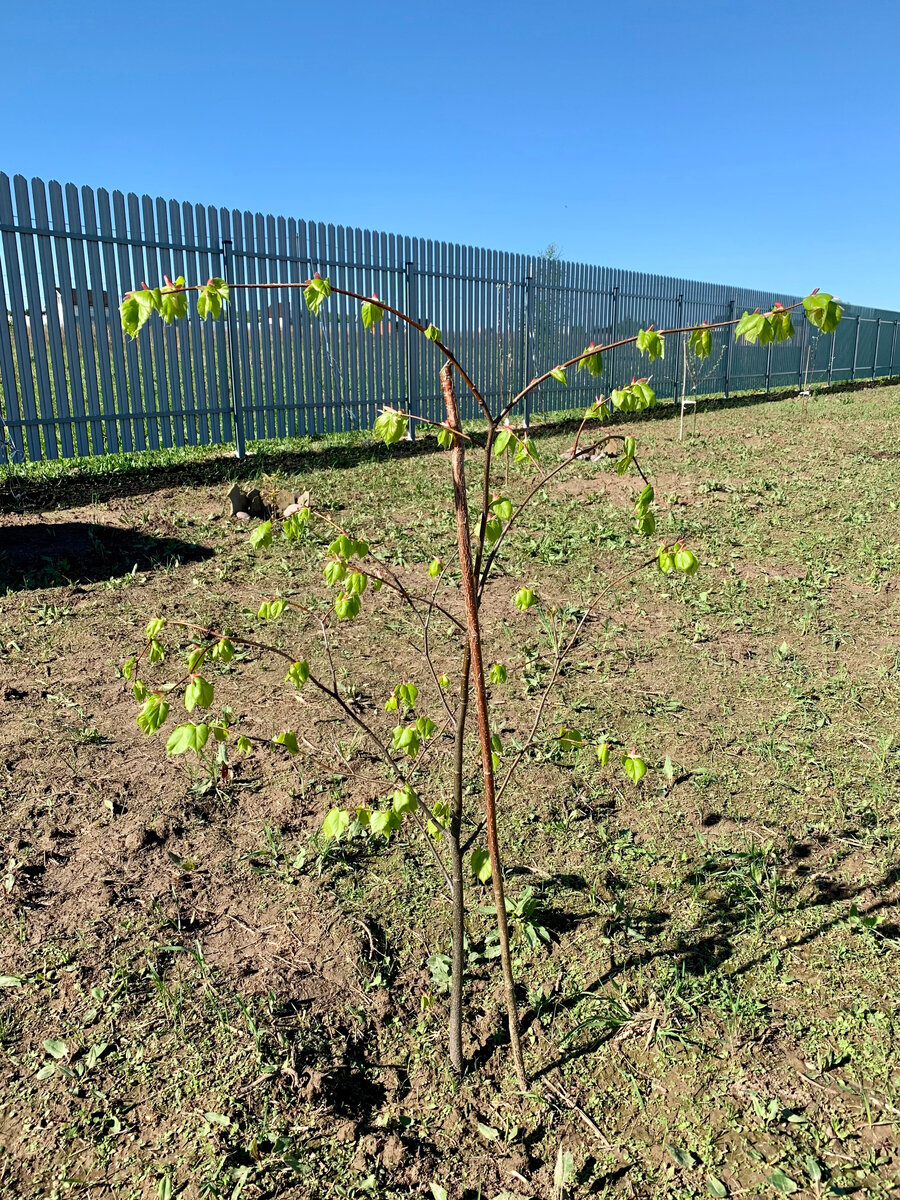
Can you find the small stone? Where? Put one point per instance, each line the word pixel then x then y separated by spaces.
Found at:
pixel 290 510
pixel 242 516
pixel 238 500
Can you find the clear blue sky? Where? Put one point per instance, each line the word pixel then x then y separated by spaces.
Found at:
pixel 752 144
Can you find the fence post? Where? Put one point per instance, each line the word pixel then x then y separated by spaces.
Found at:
pixel 526 313
pixel 411 390
pixel 875 359
pixel 855 350
pixel 234 376
pixel 679 306
pixel 893 348
pixel 614 333
pixel 729 345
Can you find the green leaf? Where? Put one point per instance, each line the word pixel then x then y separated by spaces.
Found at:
pixel 437 1191
pixel 480 862
pixel 524 599
pixel 187 737
pixel 716 1187
pixel 782 1183
pixel 157 653
pixel 295 525
pixel 380 822
pixel 435 567
pixel 211 298
pixel 154 628
pixel 782 325
pixel 316 293
pixel 813 1169
pixel 685 560
pixel 603 754
pixel 635 767
pixel 592 360
pixel 502 508
pixel 391 427
pixel 700 342
pixel 405 800
pixel 525 450
pixel 570 739
pixel 498 673
pixel 10 981
pixel 261 536
pixel 347 606
pixel 199 692
pixel 627 457
pixel 153 714
pixel 271 610
pixel 501 442
pixel 55 1048
pixel 406 738
pixel 432 333
pixel 334 572
pixel 559 374
pixel 650 343
pixel 754 327
pixel 823 311
pixel 445 438
pixel 407 694
pixel 493 527
pixel 136 309
pixel 425 727
pixel 288 739
pixel 356 583
pixel 223 650
pixel 298 673
pixel 683 1158
pixel 488 1131
pixel 372 312
pixel 243 745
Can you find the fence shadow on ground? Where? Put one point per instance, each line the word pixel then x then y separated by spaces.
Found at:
pixel 22 494
pixel 49 554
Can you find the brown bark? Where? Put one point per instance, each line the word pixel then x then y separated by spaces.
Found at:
pixel 460 503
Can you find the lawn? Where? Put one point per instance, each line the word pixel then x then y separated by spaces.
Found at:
pixel 202 999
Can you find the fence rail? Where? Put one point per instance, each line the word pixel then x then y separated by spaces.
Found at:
pixel 72 384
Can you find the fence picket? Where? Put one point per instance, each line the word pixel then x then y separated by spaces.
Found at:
pixel 73 385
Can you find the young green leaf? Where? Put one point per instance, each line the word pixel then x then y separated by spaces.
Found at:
pixel 700 341
pixel 154 628
pixel 502 508
pixel 298 673
pixel 223 650
pixel 335 824
pixel 187 737
pixel 243 745
pixel 261 536
pixel 288 739
pixel 592 360
pixel 371 312
pixel 480 862
pixel 432 332
pixel 316 293
pixel 405 800
pixel 524 599
pixel 391 427
pixel 445 438
pixel 347 606
pixel 650 343
pixel 501 442
pixel 635 767
pixel 823 311
pixel 603 754
pixel 271 610
pixel 559 374
pixel 152 716
pixel 198 693
pixel 498 673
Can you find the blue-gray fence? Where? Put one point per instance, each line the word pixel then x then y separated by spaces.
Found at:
pixel 71 383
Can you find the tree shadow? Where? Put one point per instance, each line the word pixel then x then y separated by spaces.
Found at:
pixel 51 554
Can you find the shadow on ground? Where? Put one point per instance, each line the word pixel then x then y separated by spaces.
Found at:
pixel 87 485
pixel 44 554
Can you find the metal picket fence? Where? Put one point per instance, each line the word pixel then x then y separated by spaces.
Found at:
pixel 71 384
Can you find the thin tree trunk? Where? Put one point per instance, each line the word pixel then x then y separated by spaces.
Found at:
pixel 461 506
pixel 457 947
